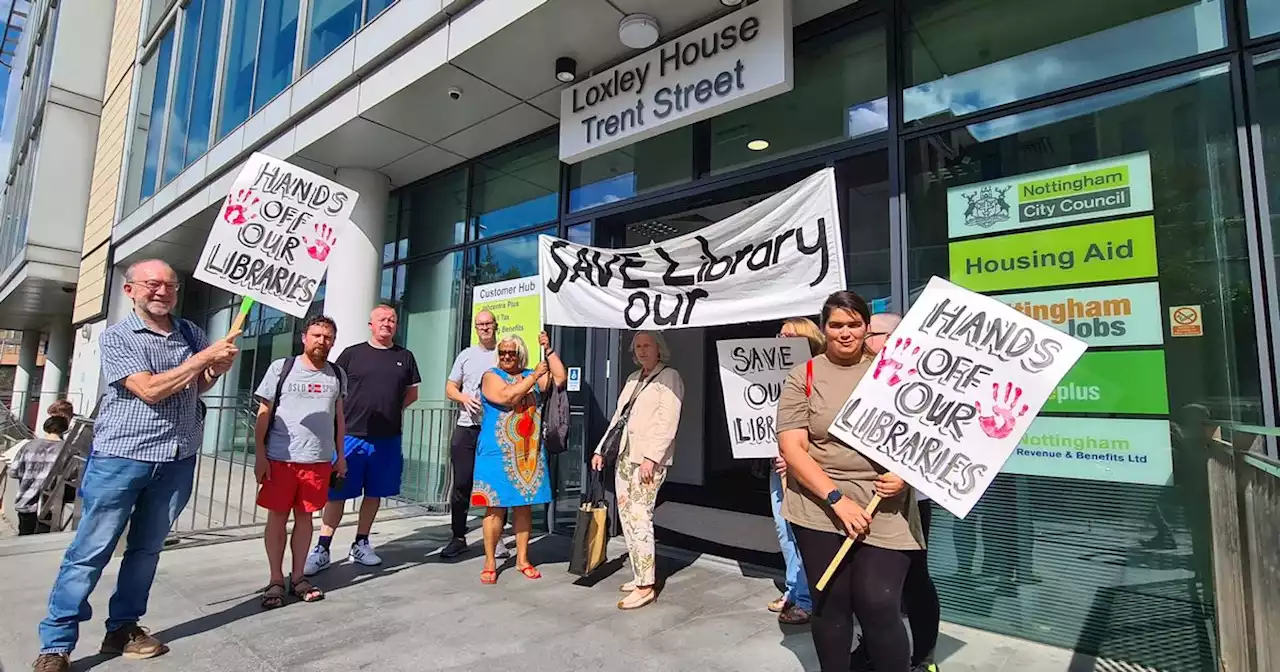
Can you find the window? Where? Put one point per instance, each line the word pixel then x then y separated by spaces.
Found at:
pixel 435 213
pixel 430 318
pixel 653 163
pixel 330 24
pixel 188 134
pixel 1267 110
pixel 517 188
pixel 840 86
pixel 1164 229
pixel 259 58
pixel 144 159
pixel 1264 17
pixel 965 56
pixel 506 259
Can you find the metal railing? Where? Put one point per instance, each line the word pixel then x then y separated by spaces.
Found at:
pixel 224 491
pixel 1244 505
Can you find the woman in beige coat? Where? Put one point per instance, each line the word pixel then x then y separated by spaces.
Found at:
pixel 650 408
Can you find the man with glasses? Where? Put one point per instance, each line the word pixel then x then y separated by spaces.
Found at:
pixel 148 431
pixel 382 381
pixel 463 388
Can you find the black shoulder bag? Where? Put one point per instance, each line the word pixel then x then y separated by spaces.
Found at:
pixel 611 447
pixel 189 337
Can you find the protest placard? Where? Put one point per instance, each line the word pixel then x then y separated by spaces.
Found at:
pixel 752 371
pixel 274 234
pixel 953 391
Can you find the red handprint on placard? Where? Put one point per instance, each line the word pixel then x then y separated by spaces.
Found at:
pixel 322 245
pixel 241 207
pixel 894 358
pixel 1001 422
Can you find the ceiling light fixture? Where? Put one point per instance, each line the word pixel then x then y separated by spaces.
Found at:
pixel 731 3
pixel 758 145
pixel 566 69
pixel 638 31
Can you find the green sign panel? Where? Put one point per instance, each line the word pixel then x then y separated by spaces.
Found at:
pixel 1113 382
pixel 1116 250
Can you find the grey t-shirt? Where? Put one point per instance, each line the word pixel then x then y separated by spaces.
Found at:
pixel 303 430
pixel 468 370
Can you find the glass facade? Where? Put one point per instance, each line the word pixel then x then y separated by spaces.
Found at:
pixel 935 146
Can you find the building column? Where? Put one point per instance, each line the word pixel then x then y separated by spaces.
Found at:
pixel 57 364
pixel 28 353
pixel 355 271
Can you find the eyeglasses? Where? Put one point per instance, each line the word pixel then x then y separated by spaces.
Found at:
pixel 508 353
pixel 483 325
pixel 155 285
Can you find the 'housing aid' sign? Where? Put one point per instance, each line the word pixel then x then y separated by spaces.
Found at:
pixel 274 234
pixel 952 393
pixel 778 258
pixel 729 63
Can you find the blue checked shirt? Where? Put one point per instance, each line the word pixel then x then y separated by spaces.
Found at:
pixel 129 427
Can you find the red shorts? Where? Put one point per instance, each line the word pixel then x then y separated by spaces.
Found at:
pixel 292 485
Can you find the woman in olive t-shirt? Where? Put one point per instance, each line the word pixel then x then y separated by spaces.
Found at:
pixel 828 488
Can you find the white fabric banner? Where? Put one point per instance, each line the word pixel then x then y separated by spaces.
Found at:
pixel 953 391
pixel 779 258
pixel 752 371
pixel 274 233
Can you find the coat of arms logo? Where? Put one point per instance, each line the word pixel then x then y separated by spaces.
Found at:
pixel 987 207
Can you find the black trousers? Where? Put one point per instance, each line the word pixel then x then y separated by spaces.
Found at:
pixel 462 458
pixel 29 523
pixel 868 586
pixel 920 598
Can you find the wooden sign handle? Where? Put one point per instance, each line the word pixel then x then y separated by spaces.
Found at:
pixel 238 325
pixel 844 548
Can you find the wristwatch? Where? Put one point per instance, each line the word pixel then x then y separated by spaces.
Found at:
pixel 834 496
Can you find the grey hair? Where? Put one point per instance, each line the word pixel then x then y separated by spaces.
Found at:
pixel 521 348
pixel 132 269
pixel 664 352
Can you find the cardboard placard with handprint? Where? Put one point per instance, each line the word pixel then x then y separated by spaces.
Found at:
pixel 275 233
pixel 952 392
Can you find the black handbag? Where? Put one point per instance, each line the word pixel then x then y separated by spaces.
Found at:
pixel 611 446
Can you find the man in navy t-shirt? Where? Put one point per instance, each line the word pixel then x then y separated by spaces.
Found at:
pixel 382 380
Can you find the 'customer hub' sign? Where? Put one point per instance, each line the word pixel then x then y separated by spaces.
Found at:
pixel 740 59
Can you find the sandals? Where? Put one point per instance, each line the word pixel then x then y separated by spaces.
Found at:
pixel 779 605
pixel 307 592
pixel 530 572
pixel 273 596
pixel 489 577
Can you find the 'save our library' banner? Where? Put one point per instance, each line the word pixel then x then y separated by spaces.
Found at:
pixel 952 393
pixel 779 258
pixel 274 234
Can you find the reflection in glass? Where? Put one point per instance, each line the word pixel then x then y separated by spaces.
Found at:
pixel 275 54
pixel 374 7
pixel 430 318
pixel 1264 17
pixel 242 61
pixel 1158 557
pixel 506 259
pixel 180 107
pixel 205 79
pixel 839 93
pixel 517 188
pixel 1267 111
pixel 971 55
pixel 155 120
pixel 434 213
pixel 330 24
pixel 653 163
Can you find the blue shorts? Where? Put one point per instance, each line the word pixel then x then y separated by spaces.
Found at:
pixel 374 467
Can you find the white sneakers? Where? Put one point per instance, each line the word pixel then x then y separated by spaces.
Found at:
pixel 361 553
pixel 317 561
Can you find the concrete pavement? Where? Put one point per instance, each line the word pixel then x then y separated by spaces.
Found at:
pixel 420 612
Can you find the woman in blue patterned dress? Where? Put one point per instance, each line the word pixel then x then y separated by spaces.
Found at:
pixel 511 466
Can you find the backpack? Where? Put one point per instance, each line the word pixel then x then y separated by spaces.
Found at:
pixel 284 375
pixel 555 420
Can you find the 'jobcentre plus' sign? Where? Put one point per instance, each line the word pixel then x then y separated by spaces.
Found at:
pixel 735 61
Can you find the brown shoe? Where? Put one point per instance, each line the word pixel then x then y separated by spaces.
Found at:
pixel 52 662
pixel 793 615
pixel 132 642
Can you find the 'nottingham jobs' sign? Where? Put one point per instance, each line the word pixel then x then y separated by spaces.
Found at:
pixel 730 63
